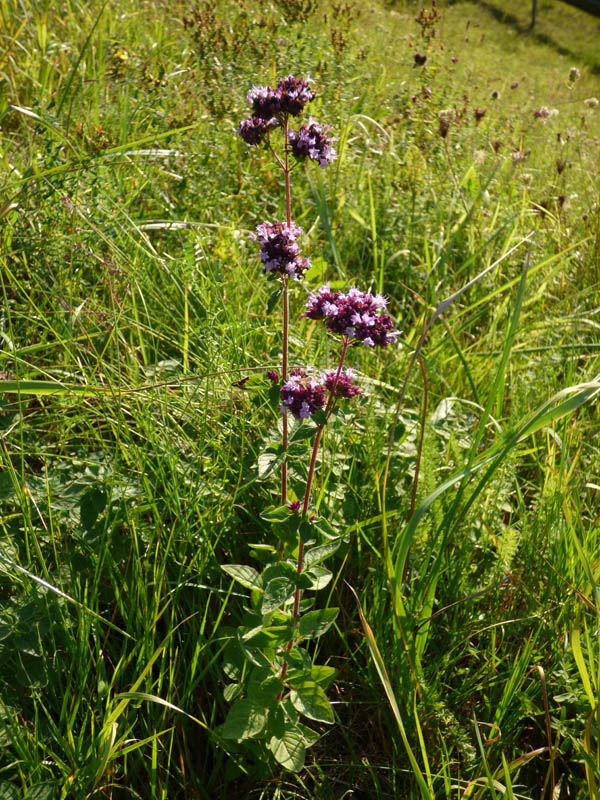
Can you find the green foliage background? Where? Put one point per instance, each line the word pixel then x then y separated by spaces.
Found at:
pixel 132 304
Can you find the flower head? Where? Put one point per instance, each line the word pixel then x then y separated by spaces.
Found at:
pixel 311 140
pixel 302 395
pixel 294 94
pixel 279 249
pixel 356 315
pixel 264 101
pixel 344 386
pixel 574 74
pixel 254 130
pixel 289 97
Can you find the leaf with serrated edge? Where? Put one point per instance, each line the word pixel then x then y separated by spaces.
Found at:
pixel 309 699
pixel 245 720
pixel 289 751
pixel 316 623
pixel 247 576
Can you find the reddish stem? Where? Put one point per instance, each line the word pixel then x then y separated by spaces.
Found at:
pixel 284 369
pixel 309 482
pixel 286 311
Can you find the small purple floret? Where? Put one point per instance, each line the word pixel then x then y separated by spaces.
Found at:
pixel 294 505
pixel 302 395
pixel 279 250
pixel 273 375
pixel 356 315
pixel 311 140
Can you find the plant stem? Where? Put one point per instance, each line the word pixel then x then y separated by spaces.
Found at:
pixel 286 312
pixel 309 482
pixel 284 369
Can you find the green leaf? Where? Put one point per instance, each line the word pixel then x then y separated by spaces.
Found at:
pixel 8 791
pixel 325 527
pixel 246 720
pixel 309 699
pixel 247 576
pixel 283 569
pixel 268 636
pixel 92 504
pixel 264 690
pixel 273 300
pixel 275 721
pixel 233 661
pixel 319 577
pixel 275 513
pixel 306 532
pixel 319 417
pixel 252 653
pixel 41 791
pixel 296 676
pixel 316 623
pixel 231 691
pixel 309 737
pixel 299 658
pixel 277 593
pixel 323 675
pixel 289 750
pixel 304 432
pixel 317 554
pixel 268 461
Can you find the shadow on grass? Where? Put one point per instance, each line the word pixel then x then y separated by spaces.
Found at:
pixel 507 18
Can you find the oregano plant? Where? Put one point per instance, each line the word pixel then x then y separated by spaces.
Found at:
pixel 275 687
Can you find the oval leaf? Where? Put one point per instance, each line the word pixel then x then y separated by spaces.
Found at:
pixel 245 720
pixel 277 593
pixel 247 576
pixel 309 699
pixel 290 750
pixel 315 623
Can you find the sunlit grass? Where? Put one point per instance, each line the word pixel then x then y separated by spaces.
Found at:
pixel 132 303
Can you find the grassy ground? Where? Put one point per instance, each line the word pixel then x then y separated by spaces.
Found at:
pixel 132 304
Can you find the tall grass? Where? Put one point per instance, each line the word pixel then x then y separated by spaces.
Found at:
pixel 130 311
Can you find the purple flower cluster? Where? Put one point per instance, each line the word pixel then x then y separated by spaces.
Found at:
pixel 264 101
pixel 254 130
pixel 271 106
pixel 345 386
pixel 293 94
pixel 279 249
pixel 302 394
pixel 311 140
pixel 356 316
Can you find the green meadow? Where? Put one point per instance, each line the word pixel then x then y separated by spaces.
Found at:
pixel 137 434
